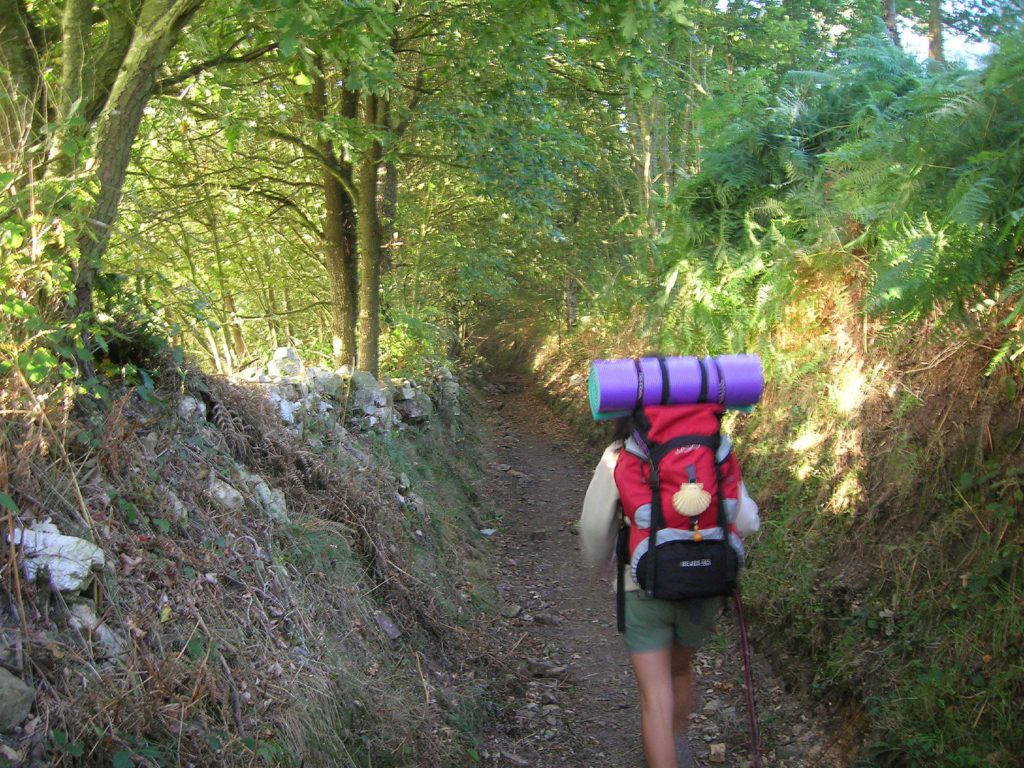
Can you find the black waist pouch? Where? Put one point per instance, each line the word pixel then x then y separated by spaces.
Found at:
pixel 686 569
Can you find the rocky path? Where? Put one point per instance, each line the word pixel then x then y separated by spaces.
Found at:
pixel 577 705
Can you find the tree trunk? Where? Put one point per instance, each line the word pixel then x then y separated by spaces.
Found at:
pixel 369 253
pixel 350 111
pixel 287 313
pixel 388 211
pixel 211 342
pixel 339 230
pixel 22 114
pixel 387 199
pixel 935 52
pixel 76 25
pixel 157 29
pixel 891 20
pixel 236 328
pixel 571 293
pixel 273 321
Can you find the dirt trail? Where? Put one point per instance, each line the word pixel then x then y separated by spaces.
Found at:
pixel 579 706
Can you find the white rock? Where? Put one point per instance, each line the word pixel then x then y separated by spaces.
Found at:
pixel 15 700
pixel 287 353
pixel 361 458
pixel 366 395
pixel 325 383
pixel 288 410
pixel 225 494
pixel 252 373
pixel 177 505
pixel 363 380
pixel 191 409
pixel 84 619
pixel 382 419
pixel 286 362
pixel 249 479
pixel 387 626
pixel 717 754
pixel 278 506
pixel 415 410
pixel 450 390
pixel 405 390
pixel 262 493
pixel 271 500
pixel 285 408
pixel 67 561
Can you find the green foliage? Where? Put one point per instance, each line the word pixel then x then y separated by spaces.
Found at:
pixel 907 604
pixel 412 348
pixel 674 175
pixel 920 168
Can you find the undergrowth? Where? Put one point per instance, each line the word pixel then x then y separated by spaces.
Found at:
pixel 887 576
pixel 341 633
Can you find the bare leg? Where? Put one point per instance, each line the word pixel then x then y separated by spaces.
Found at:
pixel 682 689
pixel 656 681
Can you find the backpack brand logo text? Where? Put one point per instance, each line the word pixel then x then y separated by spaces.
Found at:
pixel 702 563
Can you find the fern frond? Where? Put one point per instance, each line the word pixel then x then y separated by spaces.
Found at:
pixel 769 207
pixel 971 203
pixel 959 106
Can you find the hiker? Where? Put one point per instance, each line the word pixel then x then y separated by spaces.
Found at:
pixel 661 636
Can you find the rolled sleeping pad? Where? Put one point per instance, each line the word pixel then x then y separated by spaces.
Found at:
pixel 616 387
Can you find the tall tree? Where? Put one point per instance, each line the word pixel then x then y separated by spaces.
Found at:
pixel 891 20
pixel 108 64
pixel 370 239
pixel 340 252
pixel 935 33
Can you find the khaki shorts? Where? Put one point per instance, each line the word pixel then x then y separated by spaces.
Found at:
pixel 654 624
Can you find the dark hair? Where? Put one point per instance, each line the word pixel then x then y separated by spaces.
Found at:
pixel 623 427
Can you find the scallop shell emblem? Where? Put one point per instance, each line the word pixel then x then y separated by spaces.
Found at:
pixel 691 499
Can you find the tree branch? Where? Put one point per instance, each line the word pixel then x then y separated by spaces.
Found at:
pixel 120 27
pixel 225 59
pixel 283 312
pixel 283 201
pixel 434 159
pixel 327 162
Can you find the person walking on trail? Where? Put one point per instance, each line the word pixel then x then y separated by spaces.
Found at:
pixel 661 636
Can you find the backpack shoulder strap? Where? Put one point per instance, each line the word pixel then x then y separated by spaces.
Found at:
pixel 621 559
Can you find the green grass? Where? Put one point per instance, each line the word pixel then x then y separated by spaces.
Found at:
pixel 914 610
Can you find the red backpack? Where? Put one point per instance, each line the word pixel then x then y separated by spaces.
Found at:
pixel 679 473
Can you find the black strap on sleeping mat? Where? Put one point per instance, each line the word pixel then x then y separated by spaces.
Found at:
pixel 702 396
pixel 665 392
pixel 639 383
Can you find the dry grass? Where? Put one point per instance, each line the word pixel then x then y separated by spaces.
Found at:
pixel 246 642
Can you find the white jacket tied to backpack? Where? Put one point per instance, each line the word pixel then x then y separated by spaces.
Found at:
pixel 599 520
